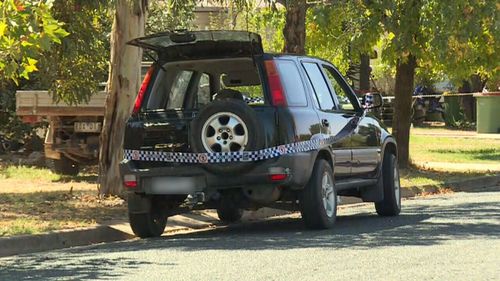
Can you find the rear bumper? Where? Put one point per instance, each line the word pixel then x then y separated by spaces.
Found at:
pixel 298 168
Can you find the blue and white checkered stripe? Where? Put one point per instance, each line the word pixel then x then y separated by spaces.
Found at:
pixel 240 156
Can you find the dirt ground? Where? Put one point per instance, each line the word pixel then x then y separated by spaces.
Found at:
pixel 29 206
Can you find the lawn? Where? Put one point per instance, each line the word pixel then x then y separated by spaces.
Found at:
pixel 425 148
pixel 34 200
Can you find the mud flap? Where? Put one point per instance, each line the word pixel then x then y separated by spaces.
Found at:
pixel 373 193
pixel 138 204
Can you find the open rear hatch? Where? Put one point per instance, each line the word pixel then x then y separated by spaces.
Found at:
pixel 201 44
pixel 184 79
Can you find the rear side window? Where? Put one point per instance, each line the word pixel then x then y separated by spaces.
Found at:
pixel 318 82
pixel 292 82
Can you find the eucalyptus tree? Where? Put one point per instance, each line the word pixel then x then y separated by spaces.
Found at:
pixel 460 37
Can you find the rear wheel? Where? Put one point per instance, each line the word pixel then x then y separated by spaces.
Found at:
pixel 391 205
pixel 228 212
pixel 63 166
pixel 318 200
pixel 150 223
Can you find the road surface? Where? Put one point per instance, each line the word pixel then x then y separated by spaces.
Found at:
pixel 446 237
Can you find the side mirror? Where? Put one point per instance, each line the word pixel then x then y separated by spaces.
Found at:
pixel 372 100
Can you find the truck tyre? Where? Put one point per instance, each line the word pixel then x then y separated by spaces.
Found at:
pixel 227 125
pixel 391 205
pixel 318 200
pixel 151 222
pixel 228 212
pixel 63 166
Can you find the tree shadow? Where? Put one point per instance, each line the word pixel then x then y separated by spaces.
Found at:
pixel 477 154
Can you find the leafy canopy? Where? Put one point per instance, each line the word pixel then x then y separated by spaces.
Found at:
pixel 27 28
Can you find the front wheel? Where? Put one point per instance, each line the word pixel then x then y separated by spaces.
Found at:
pixel 318 200
pixel 391 205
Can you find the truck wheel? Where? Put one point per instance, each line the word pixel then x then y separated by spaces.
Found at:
pixel 391 205
pixel 227 125
pixel 228 212
pixel 151 223
pixel 318 200
pixel 63 166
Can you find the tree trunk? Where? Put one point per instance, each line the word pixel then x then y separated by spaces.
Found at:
pixel 364 73
pixel 123 85
pixel 294 31
pixel 405 74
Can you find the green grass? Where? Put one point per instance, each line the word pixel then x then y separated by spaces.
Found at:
pixel 27 173
pixel 454 150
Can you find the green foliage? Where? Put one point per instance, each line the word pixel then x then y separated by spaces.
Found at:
pixel 465 38
pixel 166 15
pixel 74 69
pixel 26 29
pixel 459 39
pixel 11 126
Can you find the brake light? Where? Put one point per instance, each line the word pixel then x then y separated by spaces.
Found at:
pixel 130 181
pixel 273 77
pixel 278 173
pixel 278 177
pixel 142 91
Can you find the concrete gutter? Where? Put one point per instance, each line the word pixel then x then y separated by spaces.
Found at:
pixel 196 220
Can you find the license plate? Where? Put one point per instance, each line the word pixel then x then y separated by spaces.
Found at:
pixel 174 185
pixel 88 127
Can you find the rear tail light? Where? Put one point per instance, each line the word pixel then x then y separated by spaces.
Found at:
pixel 142 91
pixel 130 181
pixel 278 177
pixel 273 77
pixel 278 173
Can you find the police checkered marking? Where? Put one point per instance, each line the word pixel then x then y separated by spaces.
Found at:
pixel 241 156
pixel 253 100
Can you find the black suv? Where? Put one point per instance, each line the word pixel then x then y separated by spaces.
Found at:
pixel 219 124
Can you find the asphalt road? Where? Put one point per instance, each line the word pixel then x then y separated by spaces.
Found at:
pixel 449 237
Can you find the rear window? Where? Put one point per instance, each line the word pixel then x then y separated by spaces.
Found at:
pixel 194 84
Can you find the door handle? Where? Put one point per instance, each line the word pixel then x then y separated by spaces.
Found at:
pixel 325 123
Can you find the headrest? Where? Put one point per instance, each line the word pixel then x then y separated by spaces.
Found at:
pixel 241 78
pixel 228 94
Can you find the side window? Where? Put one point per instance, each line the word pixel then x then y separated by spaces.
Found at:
pixel 179 88
pixel 320 87
pixel 203 94
pixel 292 82
pixel 344 99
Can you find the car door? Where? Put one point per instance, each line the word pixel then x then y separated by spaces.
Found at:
pixel 365 140
pixel 331 122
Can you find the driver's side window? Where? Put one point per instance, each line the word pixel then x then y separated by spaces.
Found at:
pixel 344 99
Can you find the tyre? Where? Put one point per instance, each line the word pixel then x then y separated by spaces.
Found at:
pixel 150 223
pixel 391 205
pixel 227 125
pixel 63 166
pixel 228 212
pixel 318 200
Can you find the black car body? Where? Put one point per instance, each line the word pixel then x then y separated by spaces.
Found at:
pixel 217 91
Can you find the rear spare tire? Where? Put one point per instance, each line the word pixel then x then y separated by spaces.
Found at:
pixel 227 125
